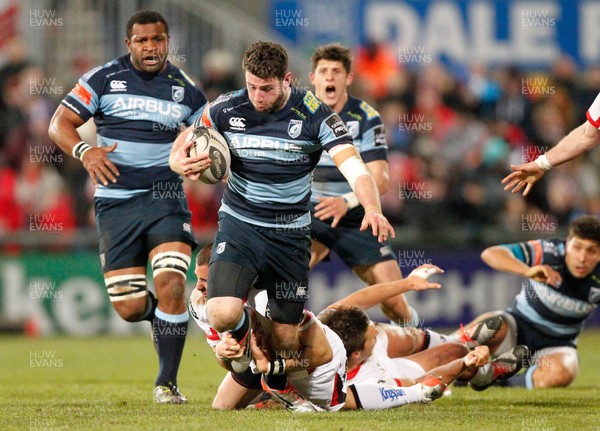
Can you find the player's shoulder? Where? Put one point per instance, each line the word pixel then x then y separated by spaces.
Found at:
pixel 107 70
pixel 230 99
pixel 369 112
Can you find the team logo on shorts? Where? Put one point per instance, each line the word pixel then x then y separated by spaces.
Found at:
pixel 294 128
pixel 187 227
pixel 177 93
pixel 221 247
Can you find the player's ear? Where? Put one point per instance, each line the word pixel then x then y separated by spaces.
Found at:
pixel 349 78
pixel 311 77
pixel 287 80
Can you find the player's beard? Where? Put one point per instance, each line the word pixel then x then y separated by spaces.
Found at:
pixel 278 104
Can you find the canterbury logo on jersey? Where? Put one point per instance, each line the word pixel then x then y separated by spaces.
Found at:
pixel 149 106
pixel 118 85
pixel 237 123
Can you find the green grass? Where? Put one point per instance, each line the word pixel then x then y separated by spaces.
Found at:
pixel 106 383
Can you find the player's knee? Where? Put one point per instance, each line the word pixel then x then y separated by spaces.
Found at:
pixel 131 310
pixel 127 294
pixel 555 377
pixel 170 287
pixel 555 372
pixel 224 313
pixel 170 262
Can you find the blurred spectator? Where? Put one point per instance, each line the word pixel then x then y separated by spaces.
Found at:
pixel 376 67
pixel 219 73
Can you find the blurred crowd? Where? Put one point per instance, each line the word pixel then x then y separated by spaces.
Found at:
pixel 452 130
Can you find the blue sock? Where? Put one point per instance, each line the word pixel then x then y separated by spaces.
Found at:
pixel 241 329
pixel 524 380
pixel 170 331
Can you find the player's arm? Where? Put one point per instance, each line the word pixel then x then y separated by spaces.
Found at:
pixel 356 172
pixel 316 351
pixel 502 258
pixel 180 161
pixel 582 139
pixel 63 131
pixel 371 296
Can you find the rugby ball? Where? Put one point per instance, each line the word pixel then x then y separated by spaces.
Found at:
pixel 208 140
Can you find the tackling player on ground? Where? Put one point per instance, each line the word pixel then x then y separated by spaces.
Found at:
pixel 138 102
pixel 337 214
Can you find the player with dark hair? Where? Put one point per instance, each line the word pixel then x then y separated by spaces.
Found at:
pixel 560 292
pixel 139 102
pixel 337 213
pixel 276 137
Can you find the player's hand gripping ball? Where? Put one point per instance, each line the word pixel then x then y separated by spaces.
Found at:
pixel 208 140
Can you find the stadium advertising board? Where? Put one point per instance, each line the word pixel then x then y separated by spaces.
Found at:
pixel 65 293
pixel 527 33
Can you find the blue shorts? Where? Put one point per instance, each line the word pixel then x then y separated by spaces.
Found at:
pixel 354 247
pixel 276 260
pixel 128 229
pixel 533 338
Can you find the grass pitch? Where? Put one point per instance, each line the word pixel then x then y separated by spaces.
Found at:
pixel 106 383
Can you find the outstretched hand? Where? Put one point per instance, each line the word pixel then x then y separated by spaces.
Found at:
pixel 379 224
pixel 418 277
pixel 525 175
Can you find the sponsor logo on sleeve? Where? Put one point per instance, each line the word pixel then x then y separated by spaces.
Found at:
pixel 337 126
pixel 380 136
pixel 82 94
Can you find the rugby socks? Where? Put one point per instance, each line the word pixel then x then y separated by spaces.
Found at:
pixel 241 329
pixel 169 331
pixel 433 339
pixel 375 396
pixel 523 380
pixel 151 303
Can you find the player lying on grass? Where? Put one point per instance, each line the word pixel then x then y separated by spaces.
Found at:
pixel 560 292
pixel 239 389
pixel 322 349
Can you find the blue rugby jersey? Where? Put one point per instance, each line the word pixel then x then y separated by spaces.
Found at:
pixel 143 113
pixel 366 128
pixel 557 311
pixel 273 155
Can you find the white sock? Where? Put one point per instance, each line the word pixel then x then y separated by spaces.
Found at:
pixel 483 376
pixel 375 396
pixel 435 338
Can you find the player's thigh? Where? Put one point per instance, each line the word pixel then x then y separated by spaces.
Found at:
pixel 127 290
pixel 283 273
pixel 170 263
pixel 121 230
